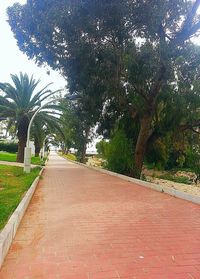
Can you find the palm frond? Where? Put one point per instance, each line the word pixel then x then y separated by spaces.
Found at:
pixel 52 93
pixel 54 107
pixel 19 102
pixel 37 96
pixel 10 92
pixel 11 123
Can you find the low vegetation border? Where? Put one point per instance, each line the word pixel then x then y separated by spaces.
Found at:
pixel 156 187
pixel 8 233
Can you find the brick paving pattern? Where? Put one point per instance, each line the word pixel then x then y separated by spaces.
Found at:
pixel 82 224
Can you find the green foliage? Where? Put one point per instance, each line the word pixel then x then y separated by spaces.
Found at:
pixel 37 161
pixel 143 177
pixel 8 146
pixel 70 156
pixel 11 157
pixel 192 160
pixel 65 137
pixel 118 153
pixel 174 151
pixel 157 154
pixel 19 102
pixel 102 148
pixel 75 125
pixel 177 179
pixel 13 184
pixel 121 57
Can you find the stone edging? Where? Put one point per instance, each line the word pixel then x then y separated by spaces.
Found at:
pixel 153 186
pixel 8 233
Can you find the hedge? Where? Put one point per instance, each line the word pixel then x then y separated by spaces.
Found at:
pixel 8 146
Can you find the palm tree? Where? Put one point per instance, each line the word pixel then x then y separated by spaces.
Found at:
pixel 44 125
pixel 19 102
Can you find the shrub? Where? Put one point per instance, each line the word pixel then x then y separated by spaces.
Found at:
pixel 192 160
pixel 119 153
pixel 102 148
pixel 178 179
pixel 71 156
pixel 10 147
pixel 157 154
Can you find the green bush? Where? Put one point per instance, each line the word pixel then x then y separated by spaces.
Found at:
pixel 178 179
pixel 192 160
pixel 119 153
pixel 8 146
pixel 102 148
pixel 71 157
pixel 157 154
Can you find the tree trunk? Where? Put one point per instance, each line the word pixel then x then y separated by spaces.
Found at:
pixel 66 151
pixel 22 129
pixel 37 147
pixel 144 134
pixel 83 153
pixel 37 151
pixel 20 152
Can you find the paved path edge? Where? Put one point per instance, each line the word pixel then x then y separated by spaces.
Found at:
pixel 15 164
pixel 160 188
pixel 9 231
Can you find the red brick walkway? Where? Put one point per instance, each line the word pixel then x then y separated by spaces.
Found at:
pixel 82 224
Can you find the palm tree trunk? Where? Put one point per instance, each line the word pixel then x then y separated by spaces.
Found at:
pixel 22 137
pixel 37 147
pixel 37 151
pixel 21 147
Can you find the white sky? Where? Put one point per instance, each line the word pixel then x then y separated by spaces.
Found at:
pixel 14 61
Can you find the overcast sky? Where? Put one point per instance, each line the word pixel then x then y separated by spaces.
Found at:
pixel 13 61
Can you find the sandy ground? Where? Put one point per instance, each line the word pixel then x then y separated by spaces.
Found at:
pixel 192 189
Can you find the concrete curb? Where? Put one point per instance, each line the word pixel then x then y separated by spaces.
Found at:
pixel 160 188
pixel 8 233
pixel 15 164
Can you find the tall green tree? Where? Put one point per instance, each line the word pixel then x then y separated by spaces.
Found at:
pixel 19 101
pixel 127 48
pixel 77 124
pixel 65 135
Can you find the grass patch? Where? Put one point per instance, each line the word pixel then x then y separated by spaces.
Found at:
pixel 150 166
pixel 9 157
pixel 70 156
pixel 38 161
pixel 13 185
pixel 177 179
pixel 12 157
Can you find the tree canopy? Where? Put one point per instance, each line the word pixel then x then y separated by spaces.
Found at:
pixel 122 56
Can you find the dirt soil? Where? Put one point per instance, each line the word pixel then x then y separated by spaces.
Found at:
pixel 193 189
